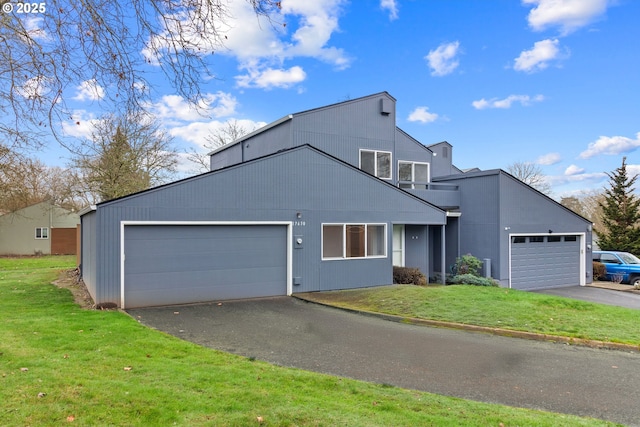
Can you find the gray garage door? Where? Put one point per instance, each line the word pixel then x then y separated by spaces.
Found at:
pixel 177 264
pixel 539 262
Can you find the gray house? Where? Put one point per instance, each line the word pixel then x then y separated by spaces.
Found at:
pixel 330 198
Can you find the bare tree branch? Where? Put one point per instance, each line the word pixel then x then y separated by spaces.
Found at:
pixel 231 131
pixel 108 44
pixel 125 154
pixel 530 174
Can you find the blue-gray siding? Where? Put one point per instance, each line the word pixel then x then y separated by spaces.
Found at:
pixel 176 264
pixel 274 188
pixel 495 205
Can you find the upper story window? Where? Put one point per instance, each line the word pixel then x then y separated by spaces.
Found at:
pixel 413 175
pixel 377 163
pixel 42 233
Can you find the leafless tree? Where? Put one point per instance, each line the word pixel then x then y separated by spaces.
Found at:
pixel 125 154
pixel 531 174
pixel 231 131
pixel 25 181
pixel 104 46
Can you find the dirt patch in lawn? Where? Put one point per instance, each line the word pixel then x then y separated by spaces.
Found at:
pixel 70 279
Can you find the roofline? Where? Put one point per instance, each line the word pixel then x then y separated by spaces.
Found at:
pixel 413 139
pixel 86 210
pixel 289 117
pixel 251 134
pixel 505 173
pixel 298 147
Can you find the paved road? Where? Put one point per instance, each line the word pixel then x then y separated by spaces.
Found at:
pixel 288 332
pixel 593 294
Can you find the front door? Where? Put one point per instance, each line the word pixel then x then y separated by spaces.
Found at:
pixel 398 245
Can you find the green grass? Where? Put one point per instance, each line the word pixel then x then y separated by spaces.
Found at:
pixel 498 308
pixel 62 365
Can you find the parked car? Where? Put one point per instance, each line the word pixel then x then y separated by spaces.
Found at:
pixel 620 264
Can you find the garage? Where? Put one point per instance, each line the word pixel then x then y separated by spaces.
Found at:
pixel 545 261
pixel 170 263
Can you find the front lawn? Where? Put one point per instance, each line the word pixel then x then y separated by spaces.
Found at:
pixel 497 308
pixel 63 365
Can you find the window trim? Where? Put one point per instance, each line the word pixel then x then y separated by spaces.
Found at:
pixel 375 163
pixel 413 172
pixel 344 240
pixel 44 233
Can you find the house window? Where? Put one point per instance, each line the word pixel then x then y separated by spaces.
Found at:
pixel 42 233
pixel 340 241
pixel 413 175
pixel 377 163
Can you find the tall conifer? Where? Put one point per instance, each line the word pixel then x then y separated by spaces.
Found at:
pixel 621 213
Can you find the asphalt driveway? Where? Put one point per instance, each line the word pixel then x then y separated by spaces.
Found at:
pixel 289 332
pixel 620 298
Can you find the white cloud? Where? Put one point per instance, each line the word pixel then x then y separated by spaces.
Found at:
pixel 32 26
pixel 175 108
pixel 633 170
pixel 612 145
pixel 391 6
pixel 422 115
pixel 89 90
pixel 576 177
pixel 524 100
pixel 569 15
pixel 318 20
pixel 196 133
pixel 81 124
pixel 34 88
pixel 270 77
pixel 573 170
pixel 443 59
pixel 549 159
pixel 262 46
pixel 538 57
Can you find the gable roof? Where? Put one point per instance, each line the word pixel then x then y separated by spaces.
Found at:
pixel 500 172
pixel 291 116
pixel 278 153
pixel 46 205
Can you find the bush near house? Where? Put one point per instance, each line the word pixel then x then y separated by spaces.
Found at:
pixel 467 264
pixel 471 279
pixel 599 271
pixel 466 271
pixel 408 276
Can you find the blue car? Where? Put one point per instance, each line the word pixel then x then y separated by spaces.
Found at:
pixel 620 264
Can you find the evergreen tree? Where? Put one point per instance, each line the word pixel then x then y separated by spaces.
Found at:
pixel 621 213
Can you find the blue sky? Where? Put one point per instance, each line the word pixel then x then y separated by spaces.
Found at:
pixel 552 82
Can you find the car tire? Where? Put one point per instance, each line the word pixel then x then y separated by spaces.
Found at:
pixel 635 281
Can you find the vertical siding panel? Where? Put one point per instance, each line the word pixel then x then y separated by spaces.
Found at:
pixel 298 180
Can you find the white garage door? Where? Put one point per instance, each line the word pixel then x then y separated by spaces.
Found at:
pixel 178 264
pixel 539 262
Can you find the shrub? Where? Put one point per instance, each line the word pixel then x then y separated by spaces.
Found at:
pixel 471 279
pixel 408 275
pixel 599 271
pixel 467 264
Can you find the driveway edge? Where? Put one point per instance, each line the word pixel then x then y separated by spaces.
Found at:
pixel 483 329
